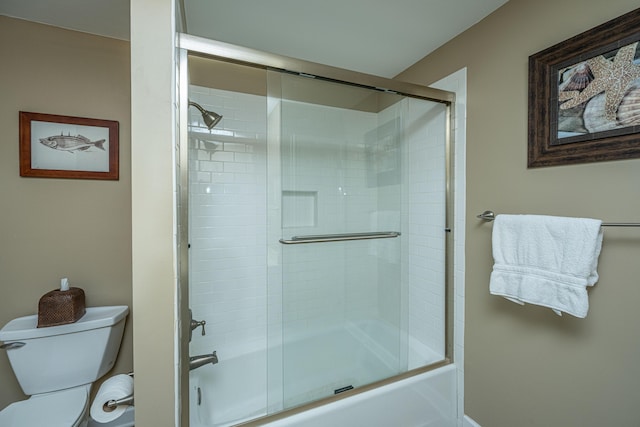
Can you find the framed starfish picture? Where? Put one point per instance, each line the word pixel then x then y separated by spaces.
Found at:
pixel 584 96
pixel 53 146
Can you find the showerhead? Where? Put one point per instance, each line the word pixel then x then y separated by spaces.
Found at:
pixel 210 118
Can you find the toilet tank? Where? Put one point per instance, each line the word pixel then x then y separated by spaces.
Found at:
pixel 65 356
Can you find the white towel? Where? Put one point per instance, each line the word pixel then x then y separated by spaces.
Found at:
pixel 546 260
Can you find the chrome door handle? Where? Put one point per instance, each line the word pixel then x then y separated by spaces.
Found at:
pixel 12 345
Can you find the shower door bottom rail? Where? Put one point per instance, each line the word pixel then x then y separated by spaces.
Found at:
pixel 319 238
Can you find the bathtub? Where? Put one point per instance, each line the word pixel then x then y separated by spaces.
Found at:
pixel 424 400
pixel 236 389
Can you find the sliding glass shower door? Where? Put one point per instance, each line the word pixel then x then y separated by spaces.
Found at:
pixel 317 228
pixel 343 182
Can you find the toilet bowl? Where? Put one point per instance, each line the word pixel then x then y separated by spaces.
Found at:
pixel 56 366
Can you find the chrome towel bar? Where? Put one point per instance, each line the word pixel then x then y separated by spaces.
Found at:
pixel 490 216
pixel 319 238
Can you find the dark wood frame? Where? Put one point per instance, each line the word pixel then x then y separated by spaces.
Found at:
pixel 25 147
pixel 544 147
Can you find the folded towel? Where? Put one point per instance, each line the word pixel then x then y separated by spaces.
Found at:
pixel 546 260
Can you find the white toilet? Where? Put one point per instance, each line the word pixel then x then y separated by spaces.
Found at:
pixel 56 365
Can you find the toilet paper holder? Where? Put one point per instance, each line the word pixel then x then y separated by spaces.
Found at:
pixel 113 404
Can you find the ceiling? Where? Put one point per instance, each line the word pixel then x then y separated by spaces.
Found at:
pixel 380 37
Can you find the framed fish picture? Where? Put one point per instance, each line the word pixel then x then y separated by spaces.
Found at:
pixel 584 96
pixel 53 146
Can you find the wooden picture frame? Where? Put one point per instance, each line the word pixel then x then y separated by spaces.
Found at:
pixel 53 146
pixel 582 96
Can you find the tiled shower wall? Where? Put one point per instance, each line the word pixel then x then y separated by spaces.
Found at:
pixel 228 221
pixel 324 168
pixel 422 209
pixel 425 208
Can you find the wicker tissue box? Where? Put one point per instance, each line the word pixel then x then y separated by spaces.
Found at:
pixel 61 307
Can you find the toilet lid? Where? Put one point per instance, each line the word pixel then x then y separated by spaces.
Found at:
pixel 56 409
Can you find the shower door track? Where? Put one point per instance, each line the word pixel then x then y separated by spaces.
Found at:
pixel 255 58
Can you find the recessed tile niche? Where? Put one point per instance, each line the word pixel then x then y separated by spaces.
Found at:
pixel 299 208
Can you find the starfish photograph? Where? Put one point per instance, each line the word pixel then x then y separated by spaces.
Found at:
pixel 611 77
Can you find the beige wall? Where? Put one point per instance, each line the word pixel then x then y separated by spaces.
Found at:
pixel 525 366
pixel 54 228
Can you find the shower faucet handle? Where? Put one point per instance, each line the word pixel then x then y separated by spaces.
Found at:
pixel 194 324
pixel 197 323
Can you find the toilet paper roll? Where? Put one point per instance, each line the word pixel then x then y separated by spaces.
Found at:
pixel 116 387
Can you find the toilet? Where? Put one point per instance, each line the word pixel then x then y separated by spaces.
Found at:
pixel 57 365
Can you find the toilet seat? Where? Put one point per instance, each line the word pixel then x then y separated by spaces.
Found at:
pixel 64 408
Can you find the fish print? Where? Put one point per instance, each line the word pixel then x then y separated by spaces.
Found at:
pixel 71 143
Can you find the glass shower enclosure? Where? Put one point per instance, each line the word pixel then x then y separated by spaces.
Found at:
pixel 317 238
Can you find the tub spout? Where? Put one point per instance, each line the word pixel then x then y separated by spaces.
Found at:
pixel 197 361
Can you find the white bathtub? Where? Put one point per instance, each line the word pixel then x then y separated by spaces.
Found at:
pixel 235 390
pixel 424 400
